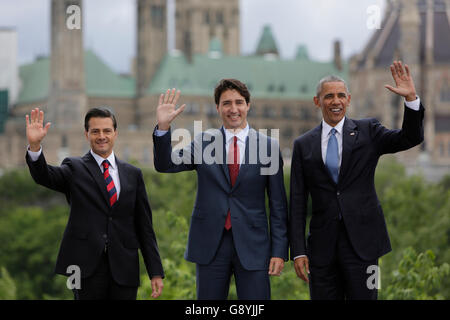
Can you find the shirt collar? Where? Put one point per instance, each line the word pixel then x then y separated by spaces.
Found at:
pixel 241 135
pixel 326 128
pixel 100 159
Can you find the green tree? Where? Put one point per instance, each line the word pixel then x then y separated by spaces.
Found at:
pixel 7 285
pixel 417 277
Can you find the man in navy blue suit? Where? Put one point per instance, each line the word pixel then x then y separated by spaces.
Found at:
pixel 229 231
pixel 335 164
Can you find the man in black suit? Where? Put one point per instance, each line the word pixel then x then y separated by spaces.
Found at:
pixel 110 216
pixel 335 164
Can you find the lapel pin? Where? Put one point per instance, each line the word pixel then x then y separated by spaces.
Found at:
pixel 352 133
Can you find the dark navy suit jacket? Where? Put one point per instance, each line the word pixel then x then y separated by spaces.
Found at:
pixel 256 237
pixel 354 196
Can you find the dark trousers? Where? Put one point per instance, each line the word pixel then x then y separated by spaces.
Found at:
pixel 346 277
pixel 101 285
pixel 213 279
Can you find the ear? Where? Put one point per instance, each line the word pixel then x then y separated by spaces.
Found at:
pixel 86 135
pixel 317 102
pixel 349 99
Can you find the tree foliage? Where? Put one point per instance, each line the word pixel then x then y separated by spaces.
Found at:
pixel 32 221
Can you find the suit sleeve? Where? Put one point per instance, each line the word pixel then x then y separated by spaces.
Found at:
pixel 278 212
pixel 52 177
pixel 298 204
pixel 410 135
pixel 163 157
pixel 146 234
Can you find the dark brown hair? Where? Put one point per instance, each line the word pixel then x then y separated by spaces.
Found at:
pixel 100 112
pixel 231 84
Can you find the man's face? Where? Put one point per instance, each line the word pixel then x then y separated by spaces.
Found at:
pixel 233 109
pixel 101 136
pixel 334 100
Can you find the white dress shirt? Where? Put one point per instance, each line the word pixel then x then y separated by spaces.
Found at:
pixel 241 137
pixel 113 171
pixel 326 132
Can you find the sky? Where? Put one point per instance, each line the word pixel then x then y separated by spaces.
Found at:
pixel 109 27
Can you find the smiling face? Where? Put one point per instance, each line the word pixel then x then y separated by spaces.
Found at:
pixel 333 101
pixel 101 135
pixel 233 109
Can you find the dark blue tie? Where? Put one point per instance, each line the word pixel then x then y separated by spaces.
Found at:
pixel 332 159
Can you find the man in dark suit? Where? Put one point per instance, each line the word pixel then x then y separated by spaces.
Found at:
pixel 229 233
pixel 110 216
pixel 335 164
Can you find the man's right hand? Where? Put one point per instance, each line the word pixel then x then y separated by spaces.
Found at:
pixel 35 129
pixel 165 112
pixel 300 264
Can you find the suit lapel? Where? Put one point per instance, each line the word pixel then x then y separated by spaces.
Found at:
pixel 244 167
pixel 96 173
pixel 349 136
pixel 123 176
pixel 224 165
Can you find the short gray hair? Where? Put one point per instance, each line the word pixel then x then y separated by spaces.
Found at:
pixel 330 78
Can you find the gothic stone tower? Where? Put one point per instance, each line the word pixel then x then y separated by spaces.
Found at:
pixel 67 94
pixel 199 21
pixel 418 33
pixel 151 42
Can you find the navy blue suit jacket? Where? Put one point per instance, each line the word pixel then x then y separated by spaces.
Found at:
pixel 254 243
pixel 354 196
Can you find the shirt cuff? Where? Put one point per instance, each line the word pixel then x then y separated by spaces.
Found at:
pixel 299 256
pixel 34 155
pixel 160 133
pixel 414 105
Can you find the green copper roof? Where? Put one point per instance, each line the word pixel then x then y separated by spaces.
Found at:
pixel 266 78
pixel 101 81
pixel 302 52
pixel 267 42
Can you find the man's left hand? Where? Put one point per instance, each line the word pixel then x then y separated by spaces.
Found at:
pixel 404 84
pixel 157 286
pixel 276 266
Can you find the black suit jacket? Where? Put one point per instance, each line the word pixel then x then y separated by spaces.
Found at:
pixel 354 196
pixel 126 226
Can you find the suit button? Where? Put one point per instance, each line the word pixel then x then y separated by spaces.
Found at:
pixel 338 193
pixel 105 236
pixel 110 218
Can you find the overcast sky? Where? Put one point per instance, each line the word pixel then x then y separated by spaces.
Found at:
pixel 109 26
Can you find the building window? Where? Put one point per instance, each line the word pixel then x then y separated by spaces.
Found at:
pixel 157 16
pixel 445 92
pixel 268 112
pixel 305 114
pixel 286 112
pixel 219 17
pixel 206 18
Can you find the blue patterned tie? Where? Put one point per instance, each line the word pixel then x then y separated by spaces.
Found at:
pixel 332 159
